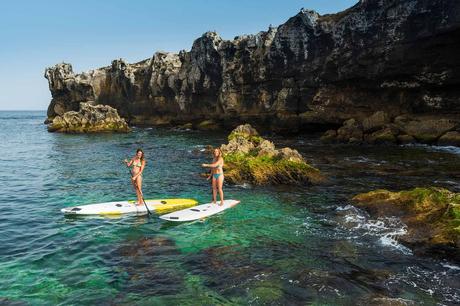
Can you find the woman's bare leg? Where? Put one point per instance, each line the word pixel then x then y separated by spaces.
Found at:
pixel 139 190
pixel 135 189
pixel 214 190
pixel 220 184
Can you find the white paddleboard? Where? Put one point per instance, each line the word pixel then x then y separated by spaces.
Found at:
pixel 199 212
pixel 160 206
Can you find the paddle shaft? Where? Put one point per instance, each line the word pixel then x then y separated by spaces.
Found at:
pixel 142 195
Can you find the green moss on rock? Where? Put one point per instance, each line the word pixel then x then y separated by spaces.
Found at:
pixel 250 158
pixel 432 215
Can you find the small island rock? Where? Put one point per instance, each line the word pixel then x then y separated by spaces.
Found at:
pixel 89 119
pixel 432 216
pixel 250 158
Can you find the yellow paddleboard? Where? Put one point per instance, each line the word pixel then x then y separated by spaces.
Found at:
pixel 159 206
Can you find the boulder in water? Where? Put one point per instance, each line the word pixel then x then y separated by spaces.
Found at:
pixel 89 119
pixel 432 216
pixel 450 139
pixel 253 159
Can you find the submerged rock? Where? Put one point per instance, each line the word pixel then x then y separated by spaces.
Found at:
pixel 137 267
pixel 432 216
pixel 250 158
pixel 89 119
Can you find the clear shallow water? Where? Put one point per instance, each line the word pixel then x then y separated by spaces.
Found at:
pixel 282 245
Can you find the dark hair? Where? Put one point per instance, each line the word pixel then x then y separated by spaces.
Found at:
pixel 143 155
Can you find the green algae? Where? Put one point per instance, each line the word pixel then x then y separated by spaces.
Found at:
pixel 264 169
pixel 431 213
pixel 256 139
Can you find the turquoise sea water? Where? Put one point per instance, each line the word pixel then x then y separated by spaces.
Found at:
pixel 281 245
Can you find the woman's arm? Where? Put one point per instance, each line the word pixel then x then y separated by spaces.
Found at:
pixel 213 165
pixel 129 163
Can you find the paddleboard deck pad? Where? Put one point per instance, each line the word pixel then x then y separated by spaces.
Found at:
pixel 199 212
pixel 160 206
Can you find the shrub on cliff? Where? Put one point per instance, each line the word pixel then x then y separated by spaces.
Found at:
pixel 250 158
pixel 432 216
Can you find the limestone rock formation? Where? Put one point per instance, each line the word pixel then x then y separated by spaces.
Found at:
pixel 250 158
pixel 379 128
pixel 311 73
pixel 432 216
pixel 89 119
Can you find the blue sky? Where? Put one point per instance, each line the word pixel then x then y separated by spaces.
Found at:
pixel 90 34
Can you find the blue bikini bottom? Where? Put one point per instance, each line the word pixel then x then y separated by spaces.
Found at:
pixel 217 175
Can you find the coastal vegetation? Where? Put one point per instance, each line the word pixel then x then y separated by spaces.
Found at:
pixel 253 159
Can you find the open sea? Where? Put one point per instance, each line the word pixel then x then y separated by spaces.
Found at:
pixel 284 245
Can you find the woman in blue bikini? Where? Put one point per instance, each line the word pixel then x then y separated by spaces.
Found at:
pixel 217 174
pixel 138 163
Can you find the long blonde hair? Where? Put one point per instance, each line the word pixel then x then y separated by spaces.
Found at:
pixel 143 155
pixel 220 154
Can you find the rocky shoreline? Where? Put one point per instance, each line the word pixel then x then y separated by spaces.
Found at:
pixel 312 73
pixel 381 129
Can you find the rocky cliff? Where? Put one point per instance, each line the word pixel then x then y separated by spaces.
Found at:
pixel 312 72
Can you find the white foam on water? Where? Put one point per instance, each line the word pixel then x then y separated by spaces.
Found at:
pixel 244 186
pixel 450 266
pixel 449 149
pixel 435 283
pixel 385 229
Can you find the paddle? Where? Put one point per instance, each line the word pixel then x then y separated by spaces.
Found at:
pixel 149 213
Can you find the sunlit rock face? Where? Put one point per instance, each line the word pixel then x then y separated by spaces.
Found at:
pixel 89 119
pixel 310 73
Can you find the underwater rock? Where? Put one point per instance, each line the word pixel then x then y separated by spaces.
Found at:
pixel 252 159
pixel 432 216
pixel 9 302
pixel 266 292
pixel 226 268
pixel 136 265
pixel 89 119
pixel 310 73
